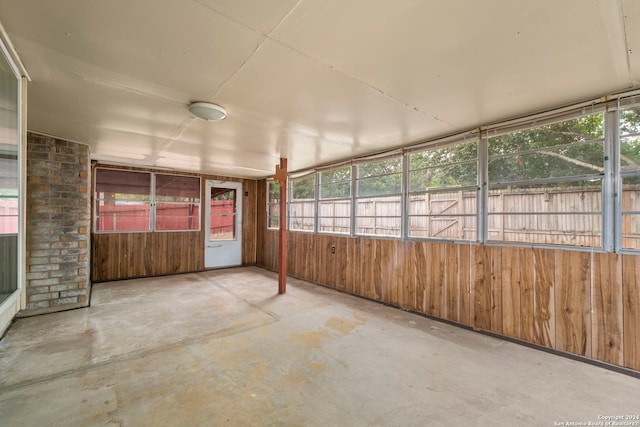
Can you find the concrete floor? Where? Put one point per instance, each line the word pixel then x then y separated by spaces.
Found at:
pixel 220 348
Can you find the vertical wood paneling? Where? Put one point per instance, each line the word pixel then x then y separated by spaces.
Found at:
pixel 542 296
pixel 464 276
pixel 419 256
pixel 249 221
pixel 544 326
pixel 606 317
pixel 631 314
pixel 124 255
pixel 356 268
pixel 456 282
pixel 367 272
pixel 481 287
pixel 573 302
pixel 340 260
pixel 261 222
pixel 435 280
pixel 376 279
pixel 407 291
pixel 320 271
pixel 527 295
pixel 352 262
pixel 391 273
pixel 452 282
pixel 511 281
pixel 495 258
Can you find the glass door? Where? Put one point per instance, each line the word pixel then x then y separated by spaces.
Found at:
pixel 223 244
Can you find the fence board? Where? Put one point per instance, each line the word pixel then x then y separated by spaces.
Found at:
pixel 452 216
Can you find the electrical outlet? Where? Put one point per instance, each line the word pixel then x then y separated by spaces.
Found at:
pixel 333 249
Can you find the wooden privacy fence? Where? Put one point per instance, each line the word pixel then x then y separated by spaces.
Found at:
pixel 559 216
pixel 127 217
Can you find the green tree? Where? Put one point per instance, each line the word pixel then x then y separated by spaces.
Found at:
pixel 450 166
pixel 380 178
pixel 566 149
pixel 303 188
pixel 335 183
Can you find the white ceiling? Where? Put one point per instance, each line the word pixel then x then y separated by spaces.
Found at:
pixel 315 81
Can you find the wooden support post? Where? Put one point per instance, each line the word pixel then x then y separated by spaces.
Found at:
pixel 281 177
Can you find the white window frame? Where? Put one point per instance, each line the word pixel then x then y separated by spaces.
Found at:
pixel 151 202
pixel 268 203
pixel 603 177
pixel 441 189
pixel 292 203
pixel 358 197
pixel 321 200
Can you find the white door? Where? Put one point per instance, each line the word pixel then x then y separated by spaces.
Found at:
pixel 223 237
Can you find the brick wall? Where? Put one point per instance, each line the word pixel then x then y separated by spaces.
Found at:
pixel 58 222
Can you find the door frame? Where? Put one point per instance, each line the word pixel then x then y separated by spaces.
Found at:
pixel 227 245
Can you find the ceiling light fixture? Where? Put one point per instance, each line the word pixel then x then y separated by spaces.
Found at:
pixel 207 111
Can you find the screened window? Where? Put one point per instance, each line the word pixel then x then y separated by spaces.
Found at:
pixel 8 192
pixel 545 183
pixel 378 210
pixel 630 177
pixel 223 209
pixel 125 202
pixel 10 143
pixel 334 201
pixel 273 204
pixel 302 203
pixel 177 202
pixel 443 192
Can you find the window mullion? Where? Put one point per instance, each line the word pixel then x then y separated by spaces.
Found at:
pixel 354 189
pixel 404 214
pixel 482 206
pixel 611 204
pixel 152 202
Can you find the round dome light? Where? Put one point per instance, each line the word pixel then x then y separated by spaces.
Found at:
pixel 207 111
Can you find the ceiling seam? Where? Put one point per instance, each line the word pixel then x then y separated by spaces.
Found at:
pixel 627 50
pixel 253 53
pixel 363 83
pixel 268 36
pixel 183 127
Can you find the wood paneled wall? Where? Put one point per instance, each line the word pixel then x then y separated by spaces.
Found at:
pixel 249 221
pixel 578 302
pixel 117 256
pixel 125 255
